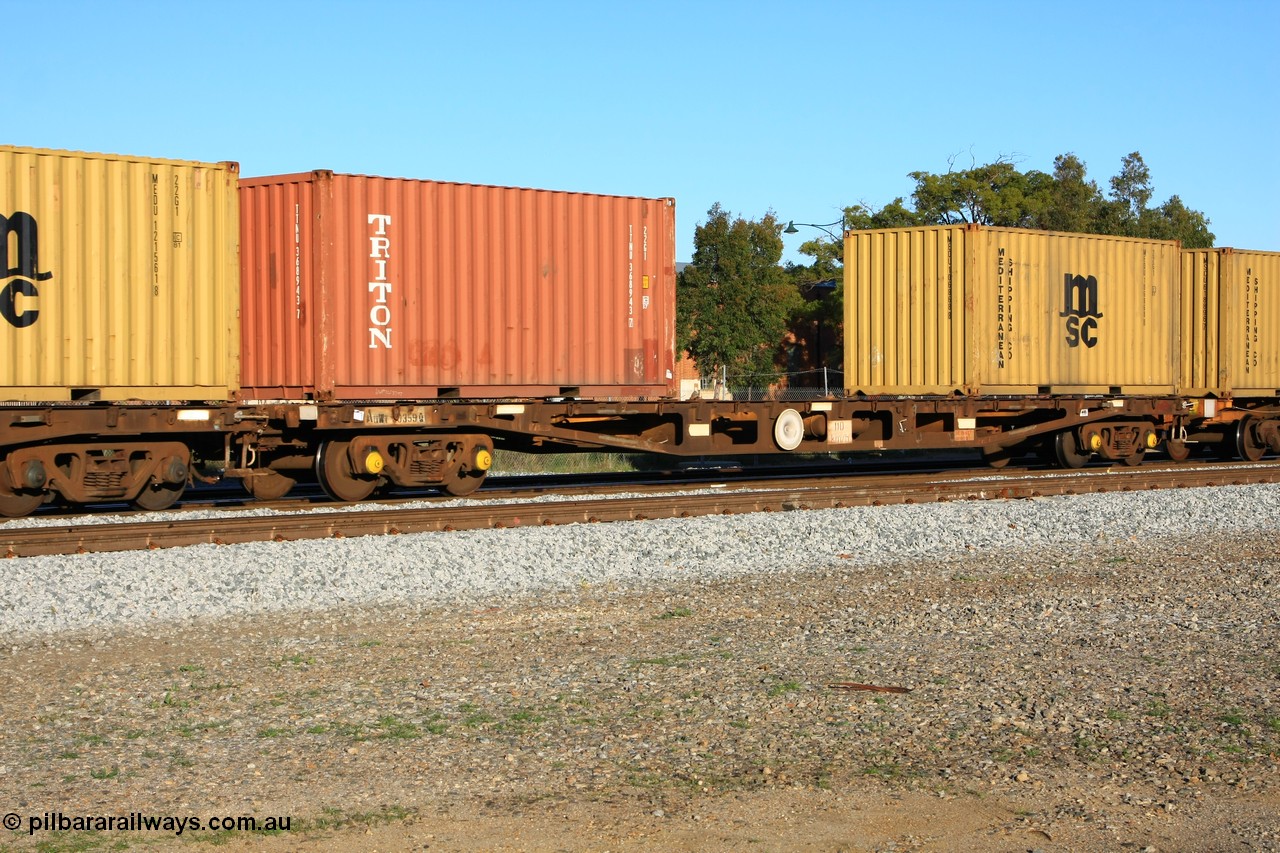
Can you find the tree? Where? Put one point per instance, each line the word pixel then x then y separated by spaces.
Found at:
pixel 1174 221
pixel 828 252
pixel 734 300
pixel 1131 189
pixel 1073 201
pixel 991 194
pixel 1127 212
pixel 895 214
pixel 998 194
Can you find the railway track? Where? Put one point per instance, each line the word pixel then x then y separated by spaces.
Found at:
pixel 230 495
pixel 717 499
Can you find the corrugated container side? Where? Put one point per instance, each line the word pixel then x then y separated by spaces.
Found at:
pixel 1203 368
pixel 905 320
pixel 1082 313
pixel 419 289
pixel 1249 327
pixel 979 310
pixel 121 277
pixel 276 223
pixel 1255 353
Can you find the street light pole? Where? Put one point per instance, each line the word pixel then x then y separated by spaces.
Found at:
pixel 792 229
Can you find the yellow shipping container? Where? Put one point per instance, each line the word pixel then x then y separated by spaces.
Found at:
pixel 968 309
pixel 1230 323
pixel 121 278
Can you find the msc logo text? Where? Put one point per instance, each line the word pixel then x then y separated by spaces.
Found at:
pixel 25 273
pixel 1080 309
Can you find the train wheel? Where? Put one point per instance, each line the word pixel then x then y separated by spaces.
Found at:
pixel 1066 449
pixel 464 484
pixel 1134 459
pixel 339 481
pixel 159 495
pixel 165 486
pixel 997 458
pixel 1247 444
pixel 268 485
pixel 18 504
pixel 469 468
pixel 1177 451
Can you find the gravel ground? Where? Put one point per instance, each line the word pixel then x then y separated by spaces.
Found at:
pixel 44 594
pixel 1089 673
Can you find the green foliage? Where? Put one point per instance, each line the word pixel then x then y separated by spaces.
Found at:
pixel 1128 213
pixel 1073 200
pixel 992 194
pixel 1173 220
pixel 1131 188
pixel 895 214
pixel 828 252
pixel 999 194
pixel 734 300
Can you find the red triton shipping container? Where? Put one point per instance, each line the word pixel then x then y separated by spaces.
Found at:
pixel 357 287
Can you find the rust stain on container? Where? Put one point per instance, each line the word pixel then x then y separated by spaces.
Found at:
pixel 978 310
pixel 359 287
pixel 120 277
pixel 1230 321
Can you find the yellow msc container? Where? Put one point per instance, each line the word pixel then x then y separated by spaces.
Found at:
pixel 1230 323
pixel 121 278
pixel 974 310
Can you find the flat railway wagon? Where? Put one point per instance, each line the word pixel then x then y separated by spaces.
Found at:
pixel 164 321
pixel 1003 340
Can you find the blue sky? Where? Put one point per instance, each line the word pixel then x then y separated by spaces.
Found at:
pixel 796 107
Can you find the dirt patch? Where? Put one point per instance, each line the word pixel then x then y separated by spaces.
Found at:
pixel 1120 699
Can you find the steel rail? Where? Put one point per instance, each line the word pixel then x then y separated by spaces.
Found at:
pixel 858 491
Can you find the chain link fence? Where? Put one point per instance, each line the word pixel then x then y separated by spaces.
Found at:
pixel 800 385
